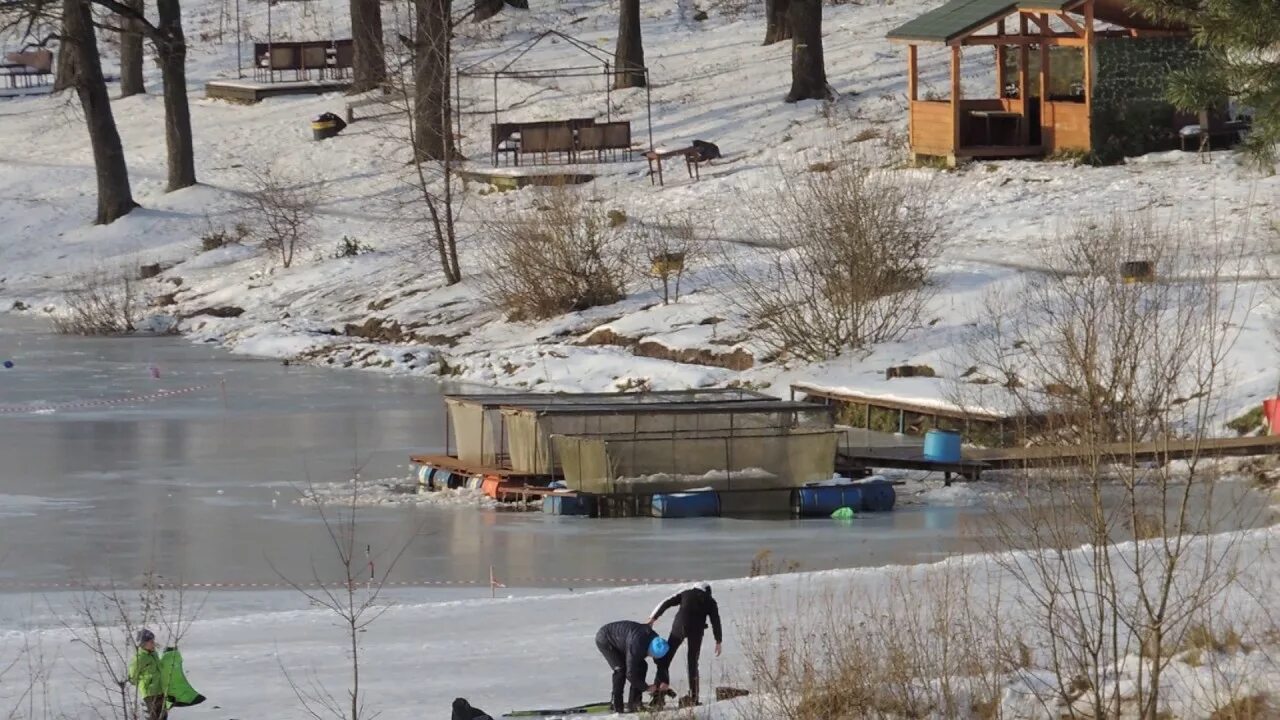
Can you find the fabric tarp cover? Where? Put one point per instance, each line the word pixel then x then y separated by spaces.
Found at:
pixel 473 432
pixel 529 433
pixel 173 679
pixel 746 461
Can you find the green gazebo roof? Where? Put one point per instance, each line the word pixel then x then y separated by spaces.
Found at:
pixel 961 17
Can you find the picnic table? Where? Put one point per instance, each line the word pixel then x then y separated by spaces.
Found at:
pixel 692 159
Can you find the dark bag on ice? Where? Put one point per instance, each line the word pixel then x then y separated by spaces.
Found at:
pixel 338 122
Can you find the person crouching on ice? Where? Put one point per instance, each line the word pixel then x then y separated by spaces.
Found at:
pixel 625 644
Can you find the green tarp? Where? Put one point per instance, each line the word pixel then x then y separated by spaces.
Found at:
pixel 177 690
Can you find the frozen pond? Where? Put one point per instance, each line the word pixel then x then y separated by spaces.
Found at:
pixel 203 485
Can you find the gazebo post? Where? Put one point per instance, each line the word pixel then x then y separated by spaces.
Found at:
pixel 913 73
pixel 1088 61
pixel 955 101
pixel 608 94
pixel 1024 80
pixel 1046 119
pixel 1002 51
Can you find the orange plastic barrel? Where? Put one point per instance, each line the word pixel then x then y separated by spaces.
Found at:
pixel 1271 409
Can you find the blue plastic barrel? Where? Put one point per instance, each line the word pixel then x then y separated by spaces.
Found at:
pixel 686 505
pixel 942 446
pixel 822 500
pixel 568 504
pixel 878 496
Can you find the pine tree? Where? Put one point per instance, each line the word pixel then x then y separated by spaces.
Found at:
pixel 1240 40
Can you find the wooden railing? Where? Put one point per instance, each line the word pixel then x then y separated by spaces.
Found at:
pixel 932 128
pixel 1066 126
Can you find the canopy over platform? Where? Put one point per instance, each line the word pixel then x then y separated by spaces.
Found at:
pixel 959 19
pixel 573 137
pixel 1046 88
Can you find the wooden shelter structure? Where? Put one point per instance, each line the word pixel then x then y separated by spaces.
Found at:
pixel 571 138
pixel 1058 64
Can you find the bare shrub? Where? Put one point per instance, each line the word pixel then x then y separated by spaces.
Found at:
pixel 564 257
pixel 101 302
pixel 857 246
pixel 104 621
pixel 921 646
pixel 280 213
pixel 1114 370
pixel 355 599
pixel 668 253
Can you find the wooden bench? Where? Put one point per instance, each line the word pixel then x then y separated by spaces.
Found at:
pixel 329 58
pixel 692 160
pixel 28 69
pixel 563 137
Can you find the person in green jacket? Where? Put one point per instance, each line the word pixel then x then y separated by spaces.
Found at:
pixel 144 673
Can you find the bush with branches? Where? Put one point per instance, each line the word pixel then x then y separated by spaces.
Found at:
pixel 101 302
pixel 280 213
pixel 855 248
pixel 564 257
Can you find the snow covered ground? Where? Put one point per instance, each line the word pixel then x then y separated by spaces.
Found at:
pixel 535 649
pixel 712 80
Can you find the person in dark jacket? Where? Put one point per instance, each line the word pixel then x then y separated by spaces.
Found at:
pixel 696 606
pixel 625 645
pixel 462 710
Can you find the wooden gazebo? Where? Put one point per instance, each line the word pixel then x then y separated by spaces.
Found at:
pixel 1048 77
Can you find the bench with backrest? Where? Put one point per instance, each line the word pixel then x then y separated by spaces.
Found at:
pixel 28 68
pixel 327 58
pixel 569 138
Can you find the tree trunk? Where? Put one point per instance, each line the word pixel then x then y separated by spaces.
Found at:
pixel 432 135
pixel 628 60
pixel 65 73
pixel 369 69
pixel 177 113
pixel 777 24
pixel 131 82
pixel 485 9
pixel 808 73
pixel 115 198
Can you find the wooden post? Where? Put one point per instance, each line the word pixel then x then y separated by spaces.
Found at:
pixel 1088 66
pixel 1047 140
pixel 913 73
pixel 1002 52
pixel 955 100
pixel 913 93
pixel 1024 83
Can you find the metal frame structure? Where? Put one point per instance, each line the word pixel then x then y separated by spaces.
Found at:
pixel 605 68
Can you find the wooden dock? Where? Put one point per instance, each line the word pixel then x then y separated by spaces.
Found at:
pixel 251 91
pixel 454 465
pixel 1161 452
pixel 851 462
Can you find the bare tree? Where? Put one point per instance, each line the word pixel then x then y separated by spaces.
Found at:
pixel 433 139
pixel 854 251
pixel 280 213
pixel 356 599
pixel 171 48
pixel 562 258
pixel 777 21
pixel 131 81
pixel 65 74
pixel 808 70
pixel 1116 370
pixel 628 58
pixel 485 9
pixel 115 196
pixel 369 69
pixel 434 201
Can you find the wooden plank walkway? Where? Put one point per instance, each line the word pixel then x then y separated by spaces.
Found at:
pixel 1041 456
pixel 904 458
pixel 453 464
